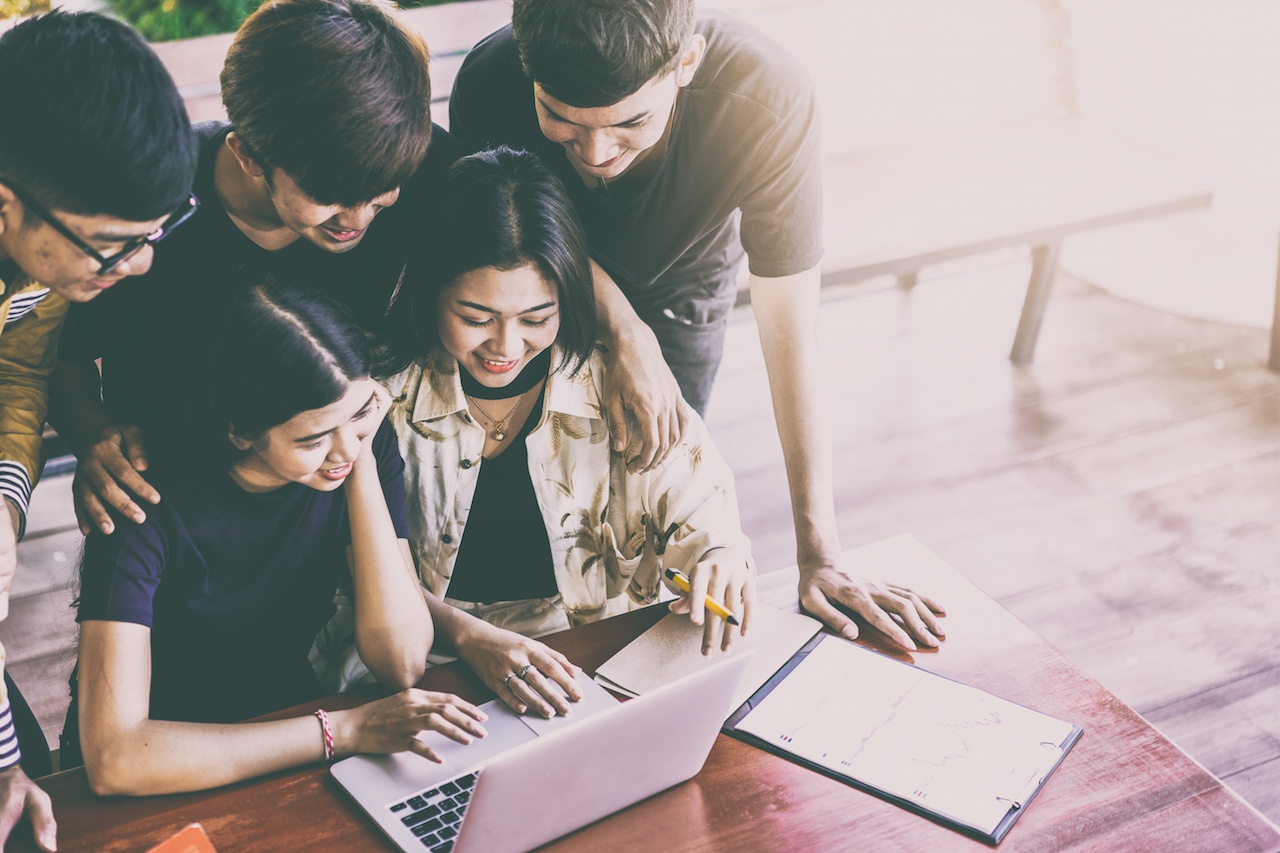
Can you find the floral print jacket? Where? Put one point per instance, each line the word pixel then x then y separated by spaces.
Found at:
pixel 611 532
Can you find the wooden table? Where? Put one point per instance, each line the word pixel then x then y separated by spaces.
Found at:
pixel 1124 786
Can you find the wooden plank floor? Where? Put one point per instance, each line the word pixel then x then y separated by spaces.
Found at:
pixel 1121 495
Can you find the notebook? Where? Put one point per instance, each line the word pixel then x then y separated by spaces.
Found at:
pixel 529 781
pixel 672 648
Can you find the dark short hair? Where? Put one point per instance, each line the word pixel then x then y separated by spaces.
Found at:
pixel 498 208
pixel 90 121
pixel 593 53
pixel 334 92
pixel 284 349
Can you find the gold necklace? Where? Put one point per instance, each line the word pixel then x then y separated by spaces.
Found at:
pixel 499 425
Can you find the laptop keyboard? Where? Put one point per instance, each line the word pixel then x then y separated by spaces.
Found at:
pixel 435 814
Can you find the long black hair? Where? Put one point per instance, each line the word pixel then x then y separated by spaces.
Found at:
pixel 498 208
pixel 284 349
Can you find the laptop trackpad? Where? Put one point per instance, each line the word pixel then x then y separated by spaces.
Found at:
pixel 505 730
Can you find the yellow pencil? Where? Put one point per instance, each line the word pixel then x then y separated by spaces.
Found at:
pixel 682 582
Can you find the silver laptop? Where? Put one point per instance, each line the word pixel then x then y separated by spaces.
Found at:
pixel 531 781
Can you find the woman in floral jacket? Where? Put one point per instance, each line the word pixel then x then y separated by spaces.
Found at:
pixel 520 513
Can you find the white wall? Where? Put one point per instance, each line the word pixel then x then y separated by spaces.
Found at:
pixel 1202 76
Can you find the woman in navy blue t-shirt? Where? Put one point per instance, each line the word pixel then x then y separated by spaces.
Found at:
pixel 204 614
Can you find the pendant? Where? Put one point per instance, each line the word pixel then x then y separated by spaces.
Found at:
pixel 499 435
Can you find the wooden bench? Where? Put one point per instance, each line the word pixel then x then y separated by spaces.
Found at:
pixel 950 130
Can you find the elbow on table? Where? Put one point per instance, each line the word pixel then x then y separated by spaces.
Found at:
pixel 400 667
pixel 114 772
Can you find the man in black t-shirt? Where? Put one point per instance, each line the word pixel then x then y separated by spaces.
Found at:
pixel 667 127
pixel 320 176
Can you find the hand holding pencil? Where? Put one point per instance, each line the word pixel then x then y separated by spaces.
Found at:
pixel 720 589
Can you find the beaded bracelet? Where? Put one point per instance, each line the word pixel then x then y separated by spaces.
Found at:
pixel 329 752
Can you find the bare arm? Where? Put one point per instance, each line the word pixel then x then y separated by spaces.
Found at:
pixel 640 383
pixel 110 455
pixel 126 752
pixel 393 626
pixel 786 311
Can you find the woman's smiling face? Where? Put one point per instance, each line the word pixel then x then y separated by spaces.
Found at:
pixel 316 448
pixel 494 322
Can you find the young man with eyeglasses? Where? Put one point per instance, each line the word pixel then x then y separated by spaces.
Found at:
pixel 318 176
pixel 96 162
pixel 690 144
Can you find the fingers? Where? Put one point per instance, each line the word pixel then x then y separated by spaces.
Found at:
pixel 911 610
pixel 536 691
pixel 678 421
pixel 104 484
pixel 617 422
pixel 134 450
pixel 931 604
pixel 816 604
pixel 450 716
pixel 83 520
pixel 879 619
pixel 43 826
pixel 558 669
pixel 90 512
pixel 8 818
pixel 546 686
pixel 653 438
pixel 123 471
pixel 419 748
pixel 744 591
pixel 727 580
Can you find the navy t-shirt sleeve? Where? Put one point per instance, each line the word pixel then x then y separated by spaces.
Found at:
pixel 120 572
pixel 391 475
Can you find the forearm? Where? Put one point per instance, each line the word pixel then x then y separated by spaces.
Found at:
pixel 163 757
pixel 393 625
pixel 76 409
pixel 786 313
pixel 619 323
pixel 454 628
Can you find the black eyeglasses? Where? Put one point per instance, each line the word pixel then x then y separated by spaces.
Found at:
pixel 107 263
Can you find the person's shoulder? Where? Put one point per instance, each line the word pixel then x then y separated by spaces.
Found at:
pixel 492 100
pixel 491 67
pixel 745 62
pixel 495 53
pixel 210 132
pixel 209 138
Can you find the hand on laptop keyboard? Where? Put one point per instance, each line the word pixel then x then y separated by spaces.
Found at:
pixel 392 724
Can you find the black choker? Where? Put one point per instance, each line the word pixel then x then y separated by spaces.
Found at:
pixel 534 372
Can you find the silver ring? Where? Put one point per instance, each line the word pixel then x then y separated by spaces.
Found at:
pixel 508 678
pixel 525 670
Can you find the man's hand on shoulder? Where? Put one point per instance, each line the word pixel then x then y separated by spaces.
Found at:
pixel 107 474
pixel 643 403
pixel 908 618
pixel 19 796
